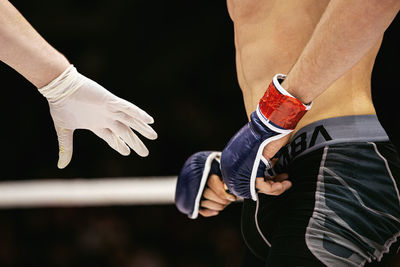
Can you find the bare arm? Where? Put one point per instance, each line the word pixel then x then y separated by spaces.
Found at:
pixel 75 101
pixel 23 49
pixel 346 32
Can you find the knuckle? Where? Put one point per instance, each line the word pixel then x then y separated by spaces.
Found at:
pixel 220 189
pixel 206 193
pixel 213 181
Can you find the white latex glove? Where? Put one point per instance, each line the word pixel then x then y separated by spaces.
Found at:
pixel 77 102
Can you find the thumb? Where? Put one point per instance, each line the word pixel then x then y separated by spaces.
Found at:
pixel 272 148
pixel 65 141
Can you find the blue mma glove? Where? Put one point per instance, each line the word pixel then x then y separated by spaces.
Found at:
pixel 242 161
pixel 193 179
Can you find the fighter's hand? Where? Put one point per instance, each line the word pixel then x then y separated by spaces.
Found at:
pixel 244 159
pixel 273 185
pixel 215 197
pixel 273 147
pixel 77 102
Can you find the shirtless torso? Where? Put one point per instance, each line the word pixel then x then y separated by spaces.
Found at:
pixel 269 37
pixel 293 229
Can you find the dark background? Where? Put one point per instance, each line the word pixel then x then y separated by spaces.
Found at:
pixel 173 59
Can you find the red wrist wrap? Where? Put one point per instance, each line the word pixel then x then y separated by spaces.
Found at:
pixel 282 110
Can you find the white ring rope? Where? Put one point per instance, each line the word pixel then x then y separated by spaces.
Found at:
pixel 88 192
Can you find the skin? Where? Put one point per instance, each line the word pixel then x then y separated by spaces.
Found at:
pixel 27 52
pixel 302 38
pixel 326 48
pixel 217 199
pixel 19 41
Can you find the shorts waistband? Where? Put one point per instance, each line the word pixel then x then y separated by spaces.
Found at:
pixel 358 128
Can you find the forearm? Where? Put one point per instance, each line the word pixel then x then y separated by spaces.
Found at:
pixel 23 49
pixel 346 32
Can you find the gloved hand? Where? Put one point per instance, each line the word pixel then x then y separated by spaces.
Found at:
pixel 191 187
pixel 77 102
pixel 242 159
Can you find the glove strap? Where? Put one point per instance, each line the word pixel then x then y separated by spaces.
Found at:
pixel 279 107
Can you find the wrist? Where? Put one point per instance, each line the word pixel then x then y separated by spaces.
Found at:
pixel 295 91
pixel 63 85
pixel 279 107
pixel 50 70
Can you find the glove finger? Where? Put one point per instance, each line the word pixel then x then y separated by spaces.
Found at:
pixel 138 125
pixel 113 141
pixel 65 141
pixel 261 169
pixel 130 138
pixel 216 168
pixel 134 111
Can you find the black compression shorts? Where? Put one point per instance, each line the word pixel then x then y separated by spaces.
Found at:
pixel 344 206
